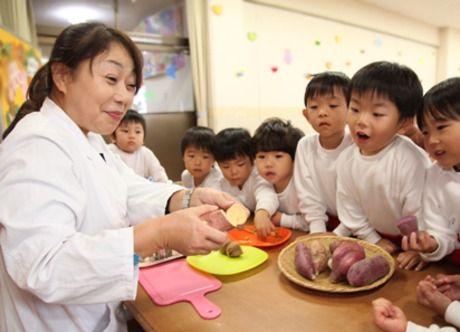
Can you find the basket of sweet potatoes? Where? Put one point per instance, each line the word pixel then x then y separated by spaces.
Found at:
pixel 335 264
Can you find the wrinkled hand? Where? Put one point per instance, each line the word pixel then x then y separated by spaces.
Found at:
pixel 211 196
pixel 449 285
pixel 411 260
pixel 388 317
pixel 263 224
pixel 428 295
pixel 419 241
pixel 387 245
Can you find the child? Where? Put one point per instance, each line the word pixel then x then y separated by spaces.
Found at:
pixel 440 123
pixel 128 140
pixel 275 142
pixel 380 178
pixel 315 164
pixel 197 148
pixel 441 294
pixel 235 156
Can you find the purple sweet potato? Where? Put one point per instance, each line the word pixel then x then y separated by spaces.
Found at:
pixel 342 249
pixel 367 271
pixel 320 255
pixel 407 225
pixel 340 268
pixel 304 262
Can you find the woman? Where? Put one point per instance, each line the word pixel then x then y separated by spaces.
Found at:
pixel 74 218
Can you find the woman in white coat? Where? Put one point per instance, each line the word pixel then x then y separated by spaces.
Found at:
pixel 73 218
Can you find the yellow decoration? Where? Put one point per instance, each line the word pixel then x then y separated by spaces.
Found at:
pixel 217 9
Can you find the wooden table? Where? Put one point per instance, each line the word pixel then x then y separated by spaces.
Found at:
pixel 263 299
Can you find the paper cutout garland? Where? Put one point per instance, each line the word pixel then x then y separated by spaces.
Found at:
pixel 217 9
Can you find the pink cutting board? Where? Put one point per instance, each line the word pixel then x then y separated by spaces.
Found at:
pixel 176 281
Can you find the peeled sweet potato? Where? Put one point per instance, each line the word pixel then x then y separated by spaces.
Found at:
pixel 407 225
pixel 237 214
pixel 304 262
pixel 320 255
pixel 367 271
pixel 341 267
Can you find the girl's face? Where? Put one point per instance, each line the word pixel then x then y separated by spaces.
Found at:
pixel 373 122
pixel 236 171
pixel 97 95
pixel 442 141
pixel 129 136
pixel 198 162
pixel 276 167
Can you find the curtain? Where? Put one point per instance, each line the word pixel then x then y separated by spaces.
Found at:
pixel 198 39
pixel 18 16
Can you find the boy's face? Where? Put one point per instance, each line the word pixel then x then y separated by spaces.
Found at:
pixel 442 138
pixel 373 121
pixel 236 171
pixel 129 136
pixel 198 162
pixel 327 114
pixel 276 167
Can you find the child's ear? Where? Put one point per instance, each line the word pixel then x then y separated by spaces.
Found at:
pixel 406 125
pixel 305 114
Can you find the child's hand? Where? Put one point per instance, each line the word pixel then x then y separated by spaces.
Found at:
pixel 411 260
pixel 276 218
pixel 388 317
pixel 449 285
pixel 263 224
pixel 419 241
pixel 430 296
pixel 387 245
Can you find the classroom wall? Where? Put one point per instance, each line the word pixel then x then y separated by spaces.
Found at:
pixel 262 53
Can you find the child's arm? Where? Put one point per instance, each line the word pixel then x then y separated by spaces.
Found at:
pixel 430 296
pixel 293 221
pixel 449 285
pixel 266 205
pixel 263 224
pixel 154 168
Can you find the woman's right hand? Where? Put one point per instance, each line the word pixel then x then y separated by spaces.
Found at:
pixel 182 231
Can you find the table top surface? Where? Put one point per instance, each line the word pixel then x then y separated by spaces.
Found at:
pixel 263 299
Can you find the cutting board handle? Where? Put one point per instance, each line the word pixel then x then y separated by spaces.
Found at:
pixel 204 307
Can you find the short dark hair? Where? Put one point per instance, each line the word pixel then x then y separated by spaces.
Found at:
pixel 326 83
pixel 133 116
pixel 275 134
pixel 442 102
pixel 394 81
pixel 232 143
pixel 200 137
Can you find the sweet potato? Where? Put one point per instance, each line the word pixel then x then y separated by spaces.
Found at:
pixel 217 219
pixel 367 271
pixel 320 255
pixel 407 225
pixel 341 267
pixel 237 214
pixel 231 249
pixel 304 262
pixel 342 249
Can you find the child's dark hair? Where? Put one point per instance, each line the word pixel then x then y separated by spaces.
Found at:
pixel 232 143
pixel 199 137
pixel 327 83
pixel 441 102
pixel 398 83
pixel 275 134
pixel 133 116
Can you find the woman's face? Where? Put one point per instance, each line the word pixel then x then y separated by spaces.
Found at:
pixel 97 95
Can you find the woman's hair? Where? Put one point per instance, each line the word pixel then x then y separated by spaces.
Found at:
pixel 327 83
pixel 199 137
pixel 275 134
pixel 74 45
pixel 441 102
pixel 232 143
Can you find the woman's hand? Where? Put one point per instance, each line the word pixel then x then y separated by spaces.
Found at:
pixel 182 231
pixel 388 317
pixel 201 196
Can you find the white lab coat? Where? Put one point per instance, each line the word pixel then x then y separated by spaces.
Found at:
pixel 65 238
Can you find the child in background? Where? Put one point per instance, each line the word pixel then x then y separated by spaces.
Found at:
pixel 235 155
pixel 315 171
pixel 439 121
pixel 128 143
pixel 380 179
pixel 197 148
pixel 442 294
pixel 275 142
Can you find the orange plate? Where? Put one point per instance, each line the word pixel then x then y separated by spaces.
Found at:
pixel 248 236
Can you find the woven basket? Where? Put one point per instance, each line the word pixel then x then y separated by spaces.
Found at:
pixel 321 283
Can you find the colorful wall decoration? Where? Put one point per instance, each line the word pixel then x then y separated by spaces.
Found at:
pixel 18 63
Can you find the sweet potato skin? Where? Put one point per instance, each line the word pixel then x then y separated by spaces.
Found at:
pixel 367 271
pixel 407 225
pixel 340 268
pixel 304 262
pixel 342 249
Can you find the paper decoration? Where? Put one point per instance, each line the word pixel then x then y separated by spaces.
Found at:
pixel 308 76
pixel 217 9
pixel 328 65
pixel 317 42
pixel 171 71
pixel 287 56
pixel 252 36
pixel 378 42
pixel 156 64
pixel 239 73
pixel 338 39
pixel 167 22
pixel 362 51
pixel 274 69
pixel 348 63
